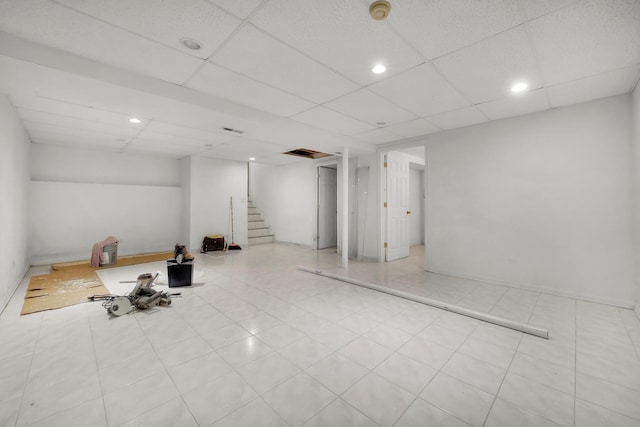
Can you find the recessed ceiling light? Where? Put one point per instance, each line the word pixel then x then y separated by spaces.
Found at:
pixel 519 87
pixel 251 159
pixel 379 69
pixel 190 44
pixel 134 120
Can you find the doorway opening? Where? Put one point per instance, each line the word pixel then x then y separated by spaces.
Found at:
pixel 327 207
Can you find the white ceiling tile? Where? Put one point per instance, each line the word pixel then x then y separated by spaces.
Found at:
pixel 62 121
pixel 421 90
pixel 82 92
pixel 536 8
pixel 189 115
pixel 243 90
pixel 608 84
pixel 587 38
pixel 370 108
pixel 177 131
pixel 516 105
pixel 487 70
pixel 252 144
pixel 79 144
pixel 173 151
pixel 438 27
pixel 165 21
pixel 110 98
pixel 240 8
pixel 54 25
pixel 62 130
pixel 377 136
pixel 51 135
pixel 216 154
pixel 257 55
pixel 163 147
pixel 412 128
pixel 167 139
pixel 459 118
pixel 295 134
pixel 338 33
pixel 28 101
pixel 278 160
pixel 332 121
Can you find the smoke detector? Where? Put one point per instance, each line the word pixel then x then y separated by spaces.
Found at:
pixel 379 10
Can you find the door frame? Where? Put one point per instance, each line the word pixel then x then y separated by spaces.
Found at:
pixel 316 211
pixel 382 192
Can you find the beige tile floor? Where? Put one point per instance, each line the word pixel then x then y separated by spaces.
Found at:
pixel 256 342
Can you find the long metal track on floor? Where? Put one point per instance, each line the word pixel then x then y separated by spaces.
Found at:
pixel 522 327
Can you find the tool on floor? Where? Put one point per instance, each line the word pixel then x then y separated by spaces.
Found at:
pixel 233 245
pixel 141 297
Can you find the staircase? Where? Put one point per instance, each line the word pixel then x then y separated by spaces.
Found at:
pixel 258 232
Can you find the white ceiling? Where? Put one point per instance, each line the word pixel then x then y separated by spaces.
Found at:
pixel 296 73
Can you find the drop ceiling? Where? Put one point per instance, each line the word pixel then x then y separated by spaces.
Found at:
pixel 293 74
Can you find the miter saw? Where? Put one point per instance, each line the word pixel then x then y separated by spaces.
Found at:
pixel 141 297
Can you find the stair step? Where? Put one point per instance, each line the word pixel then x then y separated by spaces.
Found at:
pixel 252 225
pixel 259 232
pixel 261 240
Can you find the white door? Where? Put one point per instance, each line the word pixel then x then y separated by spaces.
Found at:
pixel 327 207
pixel 397 210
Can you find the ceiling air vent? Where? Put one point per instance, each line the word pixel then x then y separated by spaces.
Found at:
pixel 232 130
pixel 309 154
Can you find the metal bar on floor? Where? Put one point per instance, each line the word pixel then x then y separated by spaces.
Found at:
pixel 511 324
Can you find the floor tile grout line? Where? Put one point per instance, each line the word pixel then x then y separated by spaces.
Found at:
pixel 413 335
pixel 95 355
pixel 506 372
pixel 439 371
pixel 626 326
pixel 575 361
pixel 26 383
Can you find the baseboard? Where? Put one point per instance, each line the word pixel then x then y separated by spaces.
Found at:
pixel 5 303
pixel 299 245
pixel 365 259
pixel 590 298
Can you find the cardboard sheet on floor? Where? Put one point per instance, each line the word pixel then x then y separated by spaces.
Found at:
pixel 61 289
pixel 72 283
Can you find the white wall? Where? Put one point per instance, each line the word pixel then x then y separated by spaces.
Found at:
pixel 212 184
pixel 68 218
pixel 185 216
pixel 79 197
pixel 52 163
pixel 541 201
pixel 296 200
pixel 635 99
pixel 14 208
